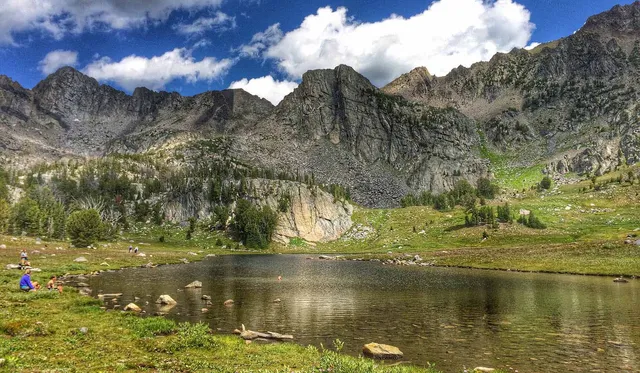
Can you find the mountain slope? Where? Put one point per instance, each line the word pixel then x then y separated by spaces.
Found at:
pixel 572 103
pixel 337 125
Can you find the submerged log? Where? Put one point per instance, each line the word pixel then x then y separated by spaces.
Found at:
pixel 249 335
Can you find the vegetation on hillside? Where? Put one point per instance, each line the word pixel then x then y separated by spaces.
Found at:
pixel 198 181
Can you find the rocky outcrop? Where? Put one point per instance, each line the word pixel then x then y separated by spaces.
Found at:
pixel 340 127
pixel 309 212
pixel 576 97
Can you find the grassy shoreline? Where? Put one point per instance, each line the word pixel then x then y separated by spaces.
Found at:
pixel 42 331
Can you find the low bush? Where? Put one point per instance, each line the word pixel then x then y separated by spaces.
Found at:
pixel 151 326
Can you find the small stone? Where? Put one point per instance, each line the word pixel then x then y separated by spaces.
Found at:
pixel 83 285
pixel 621 280
pixel 192 253
pixel 132 307
pixel 12 266
pixel 36 270
pixel 80 259
pixel 382 351
pixel 277 300
pixel 228 302
pixel 205 310
pixel 141 254
pixel 104 264
pixel 195 284
pixel 483 370
pixel 3 246
pixel 206 297
pixel 2 362
pixel 85 291
pixel 84 330
pixel 184 260
pixel 165 299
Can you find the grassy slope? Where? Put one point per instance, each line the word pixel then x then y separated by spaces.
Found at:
pixel 585 233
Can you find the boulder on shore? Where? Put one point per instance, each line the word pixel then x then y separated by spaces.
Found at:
pixel 133 307
pixel 166 299
pixel 382 351
pixel 195 284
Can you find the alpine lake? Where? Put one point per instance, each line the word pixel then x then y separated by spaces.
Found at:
pixel 453 318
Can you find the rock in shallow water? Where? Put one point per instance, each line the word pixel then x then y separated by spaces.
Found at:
pixel 165 299
pixel 382 351
pixel 195 284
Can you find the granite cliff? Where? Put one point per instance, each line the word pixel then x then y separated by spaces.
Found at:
pixel 571 103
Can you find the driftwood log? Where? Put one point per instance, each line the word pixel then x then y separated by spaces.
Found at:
pixel 250 335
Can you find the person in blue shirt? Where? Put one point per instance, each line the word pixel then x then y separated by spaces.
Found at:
pixel 26 284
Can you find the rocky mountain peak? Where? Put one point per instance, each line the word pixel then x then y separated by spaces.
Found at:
pixel 417 81
pixel 330 80
pixel 621 19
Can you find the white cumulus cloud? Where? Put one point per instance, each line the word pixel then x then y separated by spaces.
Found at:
pixel 261 41
pixel 266 87
pixel 56 59
pixel 219 23
pixel 447 34
pixel 58 17
pixel 532 46
pixel 155 72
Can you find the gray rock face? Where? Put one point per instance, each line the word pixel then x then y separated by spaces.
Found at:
pixel 337 125
pixel 70 114
pixel 573 100
pixel 312 215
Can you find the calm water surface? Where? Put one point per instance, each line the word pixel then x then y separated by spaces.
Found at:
pixel 451 317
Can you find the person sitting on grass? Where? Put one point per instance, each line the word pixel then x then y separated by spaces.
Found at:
pixel 24 261
pixel 51 285
pixel 26 284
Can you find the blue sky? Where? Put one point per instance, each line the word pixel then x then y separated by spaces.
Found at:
pixel 265 46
